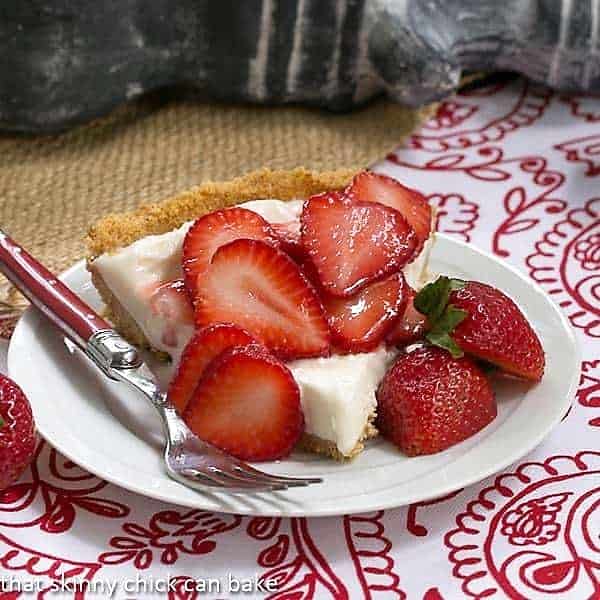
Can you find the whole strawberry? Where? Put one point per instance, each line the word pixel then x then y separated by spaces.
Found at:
pixel 480 320
pixel 429 401
pixel 17 432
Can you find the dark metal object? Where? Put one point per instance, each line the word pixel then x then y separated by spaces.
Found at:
pixel 63 63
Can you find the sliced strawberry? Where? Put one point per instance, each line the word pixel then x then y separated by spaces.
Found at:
pixel 216 229
pixel 372 187
pixel 205 345
pixel 359 323
pixel 310 272
pixel 170 302
pixel 290 239
pixel 248 404
pixel 353 244
pixel 290 236
pixel 429 401
pixel 259 288
pixel 411 326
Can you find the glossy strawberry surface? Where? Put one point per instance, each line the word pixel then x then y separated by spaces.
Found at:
pixel 352 244
pixel 248 404
pixel 359 323
pixel 373 187
pixel 204 346
pixel 411 325
pixel 429 401
pixel 259 288
pixel 214 230
pixel 496 330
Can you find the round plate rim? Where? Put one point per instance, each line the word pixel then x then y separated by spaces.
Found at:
pixel 507 459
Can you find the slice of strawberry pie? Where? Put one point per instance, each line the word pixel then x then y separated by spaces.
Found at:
pixel 304 277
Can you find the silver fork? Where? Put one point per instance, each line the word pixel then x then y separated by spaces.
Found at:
pixel 188 459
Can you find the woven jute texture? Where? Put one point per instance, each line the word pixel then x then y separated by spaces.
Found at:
pixel 53 188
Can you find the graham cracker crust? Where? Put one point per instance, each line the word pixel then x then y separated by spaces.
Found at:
pixel 317 445
pixel 118 230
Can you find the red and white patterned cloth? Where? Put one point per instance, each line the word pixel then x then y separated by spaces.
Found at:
pixel 513 169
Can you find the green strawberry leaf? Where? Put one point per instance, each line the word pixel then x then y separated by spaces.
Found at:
pixel 449 319
pixel 433 298
pixel 443 340
pixel 432 301
pixel 439 334
pixel 1 422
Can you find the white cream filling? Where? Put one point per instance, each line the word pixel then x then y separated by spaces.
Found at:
pixel 338 392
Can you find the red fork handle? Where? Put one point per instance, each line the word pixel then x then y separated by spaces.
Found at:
pixel 71 314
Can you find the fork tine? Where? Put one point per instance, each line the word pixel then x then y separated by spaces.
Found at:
pixel 251 481
pixel 243 468
pixel 256 475
pixel 196 481
pixel 220 481
pixel 220 475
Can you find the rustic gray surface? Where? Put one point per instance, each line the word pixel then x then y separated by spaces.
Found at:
pixel 64 62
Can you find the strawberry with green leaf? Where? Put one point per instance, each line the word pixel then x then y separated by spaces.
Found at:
pixel 480 320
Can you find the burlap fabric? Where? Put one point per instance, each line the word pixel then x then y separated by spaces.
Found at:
pixel 53 188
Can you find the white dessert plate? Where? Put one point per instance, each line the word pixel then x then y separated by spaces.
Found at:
pixel 110 431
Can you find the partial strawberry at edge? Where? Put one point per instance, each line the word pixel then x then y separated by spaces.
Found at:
pixel 352 244
pixel 373 187
pixel 169 300
pixel 411 326
pixel 429 401
pixel 204 346
pixel 259 288
pixel 214 230
pixel 17 432
pixel 248 404
pixel 359 323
